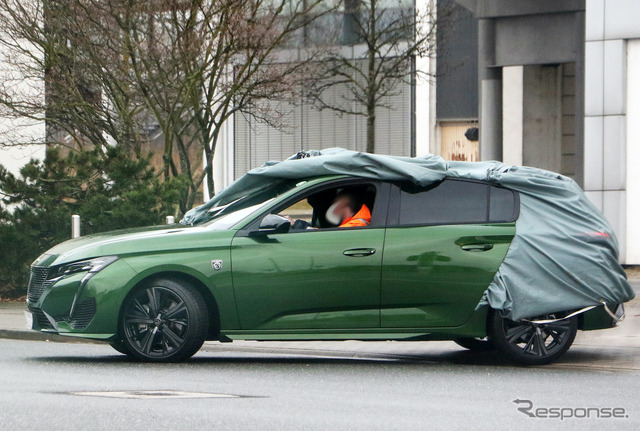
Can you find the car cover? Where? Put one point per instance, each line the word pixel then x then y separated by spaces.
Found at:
pixel 564 255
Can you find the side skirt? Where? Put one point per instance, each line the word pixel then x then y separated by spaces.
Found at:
pixel 474 327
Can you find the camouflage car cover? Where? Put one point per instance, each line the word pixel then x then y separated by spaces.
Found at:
pixel 564 255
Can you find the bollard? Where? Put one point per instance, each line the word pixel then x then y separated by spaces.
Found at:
pixel 75 226
pixel 171 220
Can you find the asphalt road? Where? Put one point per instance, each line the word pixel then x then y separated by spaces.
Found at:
pixel 41 385
pixel 322 385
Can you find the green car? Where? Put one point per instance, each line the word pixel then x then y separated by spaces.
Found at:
pixel 275 265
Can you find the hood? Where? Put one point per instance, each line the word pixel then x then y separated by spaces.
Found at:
pixel 134 241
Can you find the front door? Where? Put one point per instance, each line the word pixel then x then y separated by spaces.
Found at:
pixel 310 278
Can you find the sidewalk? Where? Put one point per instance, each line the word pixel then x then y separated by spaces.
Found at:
pixel 12 316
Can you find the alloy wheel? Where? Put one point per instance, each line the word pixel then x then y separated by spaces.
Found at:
pixel 156 322
pixel 535 341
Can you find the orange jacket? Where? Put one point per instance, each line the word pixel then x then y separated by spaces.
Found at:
pixel 361 218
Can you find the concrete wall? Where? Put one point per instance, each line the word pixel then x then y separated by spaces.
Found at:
pixel 611 117
pixel 633 153
pixel 542 117
pixel 548 39
pixel 539 117
pixel 611 153
pixel 570 158
pixel 600 98
pixel 513 114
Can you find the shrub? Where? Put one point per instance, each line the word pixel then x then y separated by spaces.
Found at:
pixel 108 188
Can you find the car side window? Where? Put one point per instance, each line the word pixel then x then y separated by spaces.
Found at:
pixel 503 205
pixel 310 211
pixel 455 202
pixel 301 210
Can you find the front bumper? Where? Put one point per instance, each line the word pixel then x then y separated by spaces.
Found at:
pixel 71 306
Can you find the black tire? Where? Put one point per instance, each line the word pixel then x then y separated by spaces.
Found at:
pixel 120 347
pixel 534 343
pixel 476 344
pixel 163 321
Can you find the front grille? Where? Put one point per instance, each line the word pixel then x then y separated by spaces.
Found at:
pixel 83 314
pixel 37 283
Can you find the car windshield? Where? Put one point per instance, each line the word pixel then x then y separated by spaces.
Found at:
pixel 231 210
pixel 227 220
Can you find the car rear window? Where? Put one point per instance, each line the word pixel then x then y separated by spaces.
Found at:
pixel 502 205
pixel 456 202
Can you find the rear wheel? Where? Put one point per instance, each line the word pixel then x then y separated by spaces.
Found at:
pixel 534 341
pixel 164 321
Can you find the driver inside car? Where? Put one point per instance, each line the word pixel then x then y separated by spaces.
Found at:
pixel 348 211
pixel 345 211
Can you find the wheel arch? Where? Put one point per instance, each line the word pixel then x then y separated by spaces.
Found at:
pixel 488 321
pixel 210 301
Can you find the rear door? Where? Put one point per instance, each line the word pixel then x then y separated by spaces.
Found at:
pixel 443 247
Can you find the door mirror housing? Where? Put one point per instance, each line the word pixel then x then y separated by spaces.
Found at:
pixel 271 224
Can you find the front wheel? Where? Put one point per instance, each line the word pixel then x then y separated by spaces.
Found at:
pixel 164 321
pixel 534 341
pixel 476 344
pixel 120 347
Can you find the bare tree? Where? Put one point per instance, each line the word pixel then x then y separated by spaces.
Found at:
pixel 218 57
pixel 389 35
pixel 121 70
pixel 41 74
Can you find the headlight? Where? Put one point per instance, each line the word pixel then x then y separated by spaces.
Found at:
pixel 90 265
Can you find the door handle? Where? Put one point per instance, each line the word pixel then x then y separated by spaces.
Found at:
pixel 359 252
pixel 477 247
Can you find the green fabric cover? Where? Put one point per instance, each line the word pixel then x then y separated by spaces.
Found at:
pixel 564 255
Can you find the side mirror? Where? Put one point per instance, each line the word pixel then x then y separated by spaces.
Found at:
pixel 272 224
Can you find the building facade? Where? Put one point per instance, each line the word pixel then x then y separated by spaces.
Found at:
pixel 549 83
pixel 612 117
pixel 558 89
pixel 304 126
